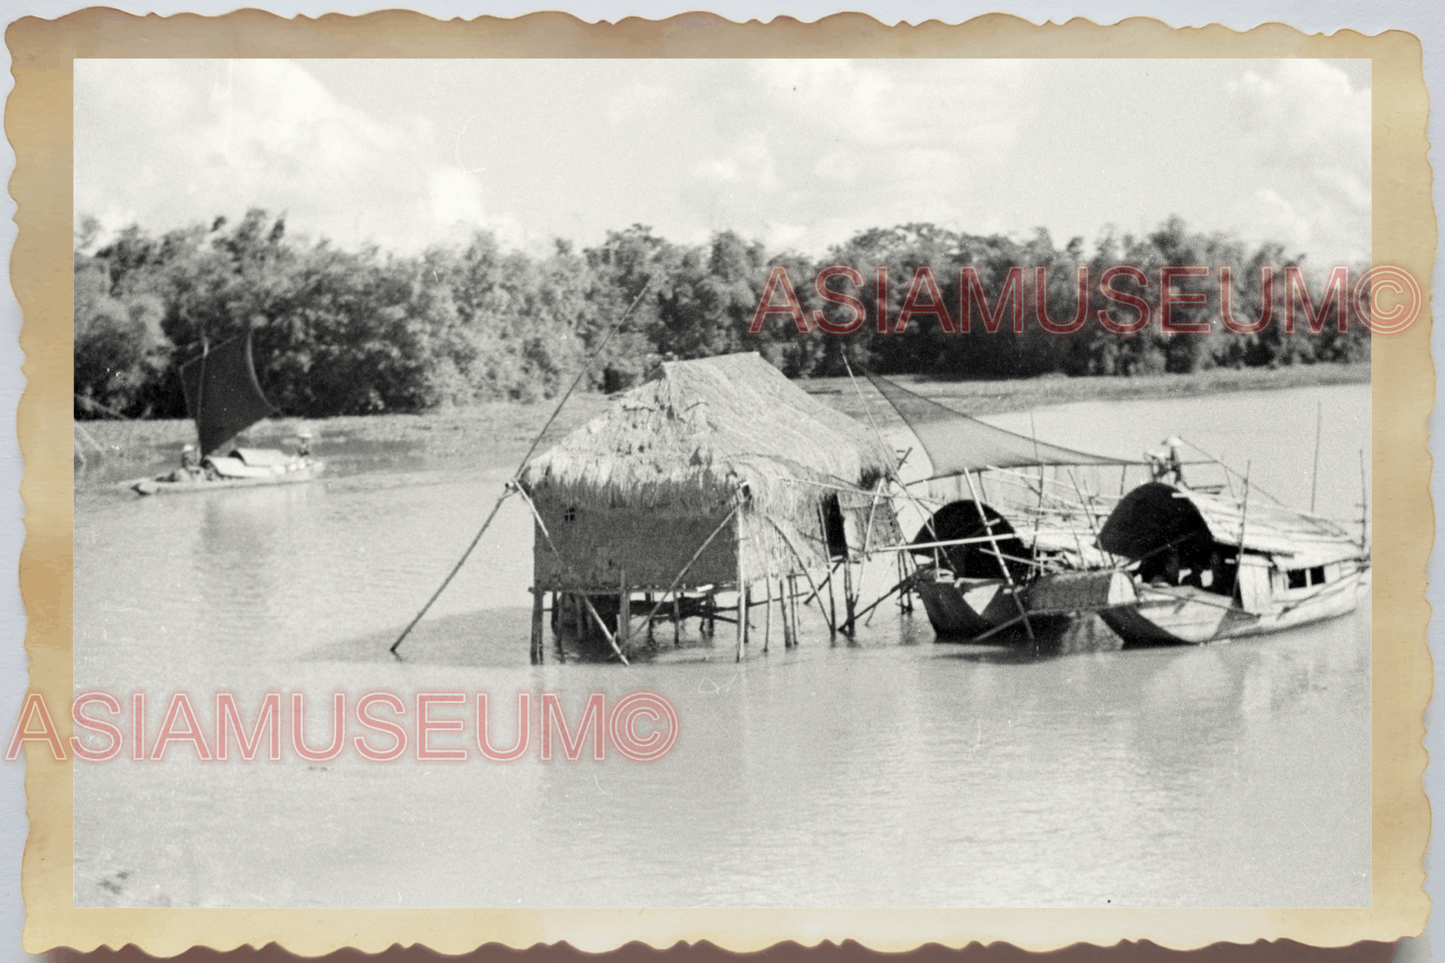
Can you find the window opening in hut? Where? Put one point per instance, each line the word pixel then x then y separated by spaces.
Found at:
pixel 1299 578
pixel 569 514
pixel 833 531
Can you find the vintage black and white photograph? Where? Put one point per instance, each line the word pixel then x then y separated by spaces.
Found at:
pixel 723 483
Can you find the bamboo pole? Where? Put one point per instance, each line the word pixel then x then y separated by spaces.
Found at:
pixel 807 574
pixel 785 603
pixel 883 598
pixel 1003 567
pixel 742 623
pixel 796 605
pixel 1244 511
pixel 511 486
pixel 537 656
pixel 567 569
pixel 767 611
pixel 624 609
pixel 695 556
pixel 453 573
pixel 850 604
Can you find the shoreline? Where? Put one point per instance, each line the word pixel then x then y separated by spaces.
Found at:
pixel 504 430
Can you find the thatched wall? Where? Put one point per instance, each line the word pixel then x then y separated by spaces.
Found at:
pixel 645 484
pixel 602 546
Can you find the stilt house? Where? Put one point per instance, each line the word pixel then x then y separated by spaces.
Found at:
pixel 715 475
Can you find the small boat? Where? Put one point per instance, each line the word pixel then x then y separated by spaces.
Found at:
pixel 224 399
pixel 978 572
pixel 1204 567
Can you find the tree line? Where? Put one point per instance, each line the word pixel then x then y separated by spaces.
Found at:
pixel 360 332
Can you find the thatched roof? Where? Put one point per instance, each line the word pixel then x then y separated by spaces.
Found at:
pixel 710 433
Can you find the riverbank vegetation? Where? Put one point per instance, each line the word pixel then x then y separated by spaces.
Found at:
pixel 499 433
pixel 349 333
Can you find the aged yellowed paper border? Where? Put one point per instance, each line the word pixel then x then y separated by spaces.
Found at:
pixel 38 123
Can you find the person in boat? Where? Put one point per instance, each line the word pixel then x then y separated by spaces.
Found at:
pixel 190 469
pixel 303 443
pixel 1164 461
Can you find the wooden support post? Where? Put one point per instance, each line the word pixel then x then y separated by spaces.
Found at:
pixel 558 621
pixel 785 606
pixel 542 527
pixel 742 616
pixel 537 657
pixel 793 603
pixel 832 626
pixel 676 622
pixel 767 612
pixel 849 603
pixel 624 612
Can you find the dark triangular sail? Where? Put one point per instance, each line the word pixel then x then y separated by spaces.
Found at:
pixel 957 443
pixel 222 393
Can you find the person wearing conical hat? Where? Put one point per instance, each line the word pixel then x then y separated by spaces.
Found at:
pixel 190 464
pixel 303 443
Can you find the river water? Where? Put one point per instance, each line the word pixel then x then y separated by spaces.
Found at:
pixel 886 771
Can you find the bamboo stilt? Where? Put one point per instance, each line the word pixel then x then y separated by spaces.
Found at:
pixel 542 528
pixel 849 602
pixel 742 624
pixel 767 612
pixel 785 602
pixel 793 606
pixel 676 623
pixel 624 612
pixel 832 627
pixel 537 656
pixel 690 562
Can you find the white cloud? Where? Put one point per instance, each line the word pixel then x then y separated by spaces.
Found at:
pixel 1309 130
pixel 175 142
pixel 802 153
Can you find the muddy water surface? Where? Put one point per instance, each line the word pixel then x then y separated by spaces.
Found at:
pixel 890 770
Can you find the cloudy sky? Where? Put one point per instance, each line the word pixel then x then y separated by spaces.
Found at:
pixel 798 153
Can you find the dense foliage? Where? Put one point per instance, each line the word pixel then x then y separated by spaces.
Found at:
pixel 343 332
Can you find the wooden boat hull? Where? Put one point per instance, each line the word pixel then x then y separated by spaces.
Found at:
pixel 1184 615
pixel 166 484
pixel 965 610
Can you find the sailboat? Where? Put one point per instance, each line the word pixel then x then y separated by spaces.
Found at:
pixel 982 574
pixel 224 398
